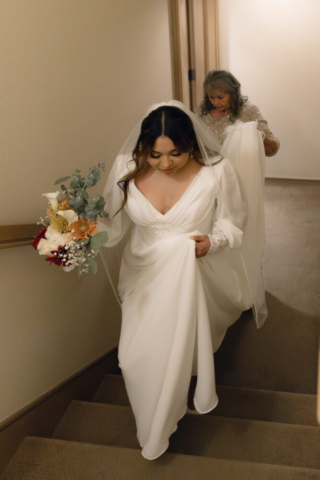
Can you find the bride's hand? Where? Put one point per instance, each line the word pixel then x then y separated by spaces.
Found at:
pixel 202 245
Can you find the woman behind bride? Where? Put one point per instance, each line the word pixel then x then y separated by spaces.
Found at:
pixel 184 276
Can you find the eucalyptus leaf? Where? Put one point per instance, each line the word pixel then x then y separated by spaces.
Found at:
pixel 95 198
pixel 89 182
pixel 60 180
pixel 101 201
pixel 78 201
pixel 93 267
pixel 74 184
pixel 98 240
pixel 82 194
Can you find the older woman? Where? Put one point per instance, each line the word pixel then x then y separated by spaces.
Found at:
pixel 223 104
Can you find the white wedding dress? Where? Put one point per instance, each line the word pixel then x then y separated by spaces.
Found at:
pixel 176 308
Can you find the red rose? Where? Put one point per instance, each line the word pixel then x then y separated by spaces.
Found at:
pixel 38 236
pixel 57 257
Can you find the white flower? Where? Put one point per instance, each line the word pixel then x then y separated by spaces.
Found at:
pixel 69 215
pixel 53 199
pixel 52 241
pixel 69 268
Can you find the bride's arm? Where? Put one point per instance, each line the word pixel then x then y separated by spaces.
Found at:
pixel 231 212
pixel 118 223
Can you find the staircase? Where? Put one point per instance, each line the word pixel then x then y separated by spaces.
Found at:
pixel 264 427
pixel 252 434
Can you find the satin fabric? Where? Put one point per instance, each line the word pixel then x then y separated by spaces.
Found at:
pixel 175 308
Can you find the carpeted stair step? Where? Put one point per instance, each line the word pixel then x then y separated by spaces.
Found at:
pixel 47 459
pixel 243 403
pixel 281 356
pixel 201 435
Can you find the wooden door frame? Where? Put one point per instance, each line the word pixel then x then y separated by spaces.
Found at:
pixel 178 24
pixel 179 40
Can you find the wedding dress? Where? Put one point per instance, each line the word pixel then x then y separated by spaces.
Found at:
pixel 176 308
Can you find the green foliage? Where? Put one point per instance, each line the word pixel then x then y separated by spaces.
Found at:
pixel 78 198
pixel 98 240
pixel 93 267
pixel 60 180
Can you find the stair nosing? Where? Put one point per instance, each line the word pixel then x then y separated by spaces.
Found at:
pixel 199 415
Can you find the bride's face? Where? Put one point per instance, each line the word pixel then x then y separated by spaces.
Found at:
pixel 165 157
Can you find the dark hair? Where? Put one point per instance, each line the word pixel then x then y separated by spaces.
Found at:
pixel 226 81
pixel 170 122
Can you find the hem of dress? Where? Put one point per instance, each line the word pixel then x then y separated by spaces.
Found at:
pixel 202 413
pixel 163 451
pixel 210 409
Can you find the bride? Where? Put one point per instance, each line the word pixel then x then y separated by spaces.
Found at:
pixel 191 264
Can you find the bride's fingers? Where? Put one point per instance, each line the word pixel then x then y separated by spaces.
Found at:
pixel 201 249
pixel 198 238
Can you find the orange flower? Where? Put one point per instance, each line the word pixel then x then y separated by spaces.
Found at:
pixel 82 229
pixel 63 205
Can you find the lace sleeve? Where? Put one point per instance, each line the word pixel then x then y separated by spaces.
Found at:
pixel 218 241
pixel 253 114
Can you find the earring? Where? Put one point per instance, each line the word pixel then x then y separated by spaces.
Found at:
pixel 191 154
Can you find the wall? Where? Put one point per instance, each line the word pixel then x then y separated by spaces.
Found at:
pixel 272 47
pixel 76 76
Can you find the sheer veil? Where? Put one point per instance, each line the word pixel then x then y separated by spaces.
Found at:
pixel 247 158
pixel 209 145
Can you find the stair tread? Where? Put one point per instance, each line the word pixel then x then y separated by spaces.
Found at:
pixel 39 458
pixel 283 407
pixel 200 435
pixel 280 356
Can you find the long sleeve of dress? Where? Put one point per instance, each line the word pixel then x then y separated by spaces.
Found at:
pixel 252 113
pixel 118 223
pixel 231 213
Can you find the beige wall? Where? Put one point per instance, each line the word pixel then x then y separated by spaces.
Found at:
pixel 273 48
pixel 76 75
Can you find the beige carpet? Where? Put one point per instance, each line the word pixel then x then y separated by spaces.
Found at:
pixel 283 354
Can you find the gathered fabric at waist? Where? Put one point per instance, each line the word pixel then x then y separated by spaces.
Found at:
pixel 162 231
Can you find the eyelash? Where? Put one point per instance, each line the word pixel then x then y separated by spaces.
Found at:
pixel 173 154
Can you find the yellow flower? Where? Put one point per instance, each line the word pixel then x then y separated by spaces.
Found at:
pixel 63 205
pixel 82 229
pixel 57 222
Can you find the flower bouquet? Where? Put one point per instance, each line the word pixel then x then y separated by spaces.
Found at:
pixel 69 236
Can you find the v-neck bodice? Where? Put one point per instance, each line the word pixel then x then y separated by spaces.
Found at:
pixel 177 202
pixel 194 211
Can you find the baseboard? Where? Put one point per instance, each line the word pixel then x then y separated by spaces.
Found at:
pixel 297 181
pixel 41 417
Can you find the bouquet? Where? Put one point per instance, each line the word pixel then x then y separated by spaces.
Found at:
pixel 69 237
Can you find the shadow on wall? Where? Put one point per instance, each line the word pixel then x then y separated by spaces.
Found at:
pixel 280 356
